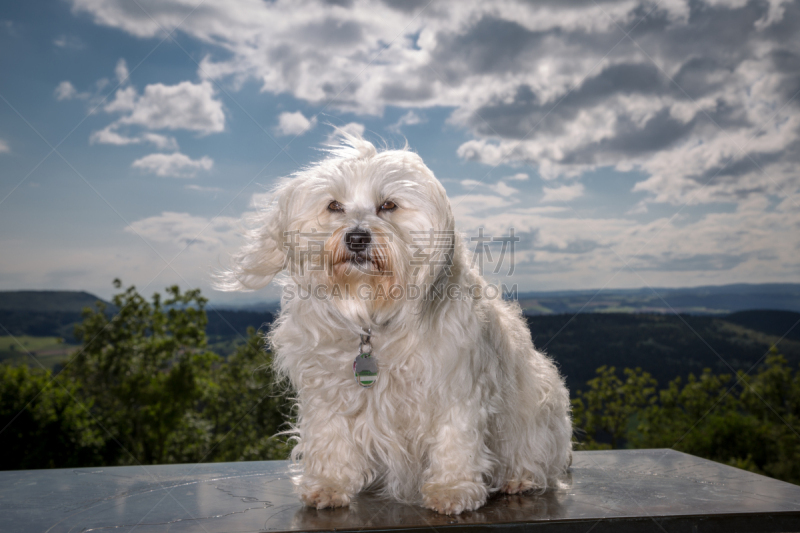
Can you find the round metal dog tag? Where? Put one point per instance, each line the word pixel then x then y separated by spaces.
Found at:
pixel 365 368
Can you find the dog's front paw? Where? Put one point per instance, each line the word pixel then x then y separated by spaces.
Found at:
pixel 518 486
pixel 454 498
pixel 322 497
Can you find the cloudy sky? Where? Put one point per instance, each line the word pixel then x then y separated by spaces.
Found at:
pixel 629 144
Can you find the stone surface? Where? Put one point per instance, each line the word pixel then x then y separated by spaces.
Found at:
pixel 627 490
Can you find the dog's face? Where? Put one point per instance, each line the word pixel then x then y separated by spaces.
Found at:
pixel 361 224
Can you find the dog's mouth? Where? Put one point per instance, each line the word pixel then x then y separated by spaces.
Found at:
pixel 364 262
pixel 359 259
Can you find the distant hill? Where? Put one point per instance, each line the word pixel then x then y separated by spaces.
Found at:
pixel 40 323
pixel 664 345
pixel 55 314
pixel 49 301
pixel 228 323
pixel 779 323
pixel 710 300
pixel 43 313
pixel 261 307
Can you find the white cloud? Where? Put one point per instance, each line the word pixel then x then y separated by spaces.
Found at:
pixel 201 188
pixel 121 71
pixel 562 194
pixel 175 165
pixel 639 209
pixel 124 101
pixel 184 229
pixel 66 91
pixel 353 128
pixel 109 135
pixel 4 148
pixel 500 187
pixel 561 249
pixel 409 119
pixel 518 177
pixel 185 106
pixel 774 15
pixel 162 142
pixel 485 152
pixel 68 41
pixel 471 205
pixel 294 123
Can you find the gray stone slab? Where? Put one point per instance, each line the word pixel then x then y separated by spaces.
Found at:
pixel 624 490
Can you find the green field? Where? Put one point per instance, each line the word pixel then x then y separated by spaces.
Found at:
pixel 47 350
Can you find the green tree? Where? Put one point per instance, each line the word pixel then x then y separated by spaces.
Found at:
pixel 249 407
pixel 146 371
pixel 606 409
pixel 703 417
pixel 145 388
pixel 772 397
pixel 750 422
pixel 42 424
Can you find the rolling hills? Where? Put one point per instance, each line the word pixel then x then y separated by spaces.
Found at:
pixel 708 300
pixel 665 344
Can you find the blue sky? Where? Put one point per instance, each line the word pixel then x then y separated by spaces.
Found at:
pixel 629 144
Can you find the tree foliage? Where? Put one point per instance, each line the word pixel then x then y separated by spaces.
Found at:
pixel 249 400
pixel 145 389
pixel 42 424
pixel 146 369
pixel 748 421
pixel 607 407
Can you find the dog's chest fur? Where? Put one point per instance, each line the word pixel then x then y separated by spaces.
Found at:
pixel 393 419
pixel 399 403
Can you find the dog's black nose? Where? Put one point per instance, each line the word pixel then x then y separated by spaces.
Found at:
pixel 357 240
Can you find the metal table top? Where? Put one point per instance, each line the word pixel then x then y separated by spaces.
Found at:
pixel 622 490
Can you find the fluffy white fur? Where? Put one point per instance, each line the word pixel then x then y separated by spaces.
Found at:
pixel 464 405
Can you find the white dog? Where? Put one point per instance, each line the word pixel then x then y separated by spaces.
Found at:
pixel 410 379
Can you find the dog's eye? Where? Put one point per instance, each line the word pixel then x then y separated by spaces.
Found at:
pixel 335 206
pixel 388 205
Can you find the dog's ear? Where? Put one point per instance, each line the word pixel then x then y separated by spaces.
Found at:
pixel 265 253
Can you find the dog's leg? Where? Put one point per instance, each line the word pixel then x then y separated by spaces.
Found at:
pixel 536 447
pixel 454 482
pixel 334 470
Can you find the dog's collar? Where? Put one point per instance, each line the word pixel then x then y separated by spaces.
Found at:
pixel 365 337
pixel 365 366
